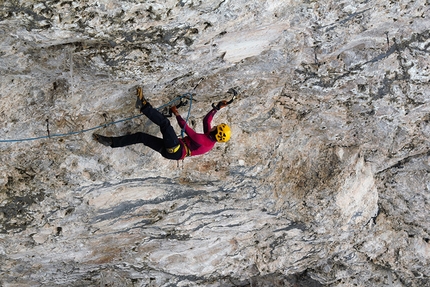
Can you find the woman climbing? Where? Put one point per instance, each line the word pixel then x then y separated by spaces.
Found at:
pixel 170 146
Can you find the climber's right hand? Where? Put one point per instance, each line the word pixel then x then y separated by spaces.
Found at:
pixel 174 110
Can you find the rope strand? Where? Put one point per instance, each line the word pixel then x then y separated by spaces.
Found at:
pixel 190 96
pixel 101 126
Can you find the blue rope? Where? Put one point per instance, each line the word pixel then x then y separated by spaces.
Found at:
pixel 105 125
pixel 190 96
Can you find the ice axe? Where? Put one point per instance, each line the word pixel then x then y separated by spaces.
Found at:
pixel 225 103
pixel 232 91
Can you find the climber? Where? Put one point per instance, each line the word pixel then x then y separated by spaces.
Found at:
pixel 170 146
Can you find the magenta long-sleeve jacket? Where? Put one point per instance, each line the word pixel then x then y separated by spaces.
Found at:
pixel 197 143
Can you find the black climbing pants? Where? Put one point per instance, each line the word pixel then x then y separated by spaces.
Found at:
pixel 169 140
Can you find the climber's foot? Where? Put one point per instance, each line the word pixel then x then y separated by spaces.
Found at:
pixel 107 141
pixel 141 102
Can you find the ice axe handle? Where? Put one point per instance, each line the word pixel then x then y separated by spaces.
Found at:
pixel 225 103
pixel 232 91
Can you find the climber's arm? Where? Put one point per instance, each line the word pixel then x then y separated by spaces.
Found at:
pixel 208 120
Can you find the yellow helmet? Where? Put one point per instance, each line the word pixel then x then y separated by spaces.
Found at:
pixel 222 133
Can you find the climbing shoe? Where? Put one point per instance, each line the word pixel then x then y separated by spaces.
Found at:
pixel 107 141
pixel 140 101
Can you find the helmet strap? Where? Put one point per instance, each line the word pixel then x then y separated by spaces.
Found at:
pixel 212 134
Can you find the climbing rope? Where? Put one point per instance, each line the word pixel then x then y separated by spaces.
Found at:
pixel 190 97
pixel 186 95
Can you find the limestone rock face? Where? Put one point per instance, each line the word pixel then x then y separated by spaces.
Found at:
pixel 325 180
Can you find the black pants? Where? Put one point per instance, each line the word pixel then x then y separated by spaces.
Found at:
pixel 169 140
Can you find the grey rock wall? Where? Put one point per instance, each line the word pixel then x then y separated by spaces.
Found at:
pixel 325 181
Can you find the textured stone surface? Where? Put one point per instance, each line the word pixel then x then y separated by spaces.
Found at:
pixel 325 181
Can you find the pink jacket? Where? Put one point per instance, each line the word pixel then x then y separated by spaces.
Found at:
pixel 197 143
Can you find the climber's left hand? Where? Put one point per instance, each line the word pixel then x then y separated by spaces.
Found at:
pixel 221 104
